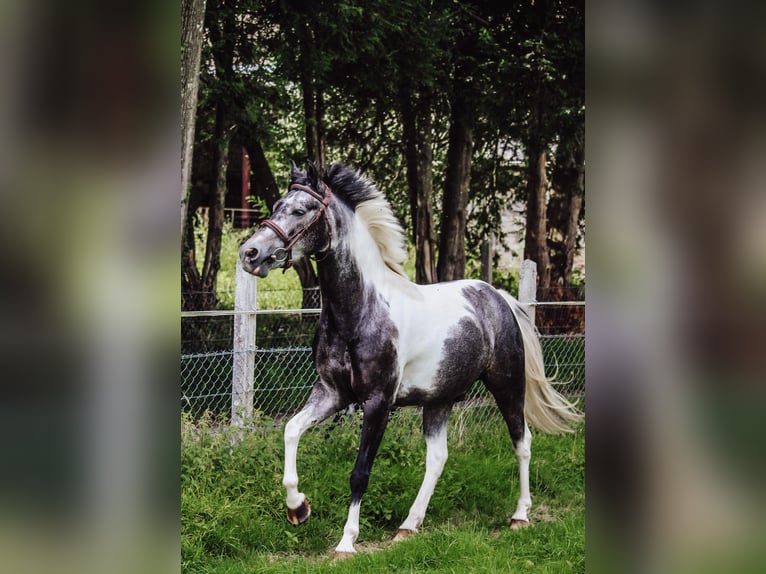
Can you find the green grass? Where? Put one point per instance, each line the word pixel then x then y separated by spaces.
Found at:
pixel 233 515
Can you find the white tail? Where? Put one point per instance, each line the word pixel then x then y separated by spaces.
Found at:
pixel 545 409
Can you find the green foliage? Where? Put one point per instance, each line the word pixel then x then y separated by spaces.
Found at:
pixel 508 280
pixel 259 204
pixel 578 279
pixel 364 61
pixel 232 501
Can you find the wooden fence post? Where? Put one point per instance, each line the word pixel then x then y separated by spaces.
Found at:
pixel 245 297
pixel 528 286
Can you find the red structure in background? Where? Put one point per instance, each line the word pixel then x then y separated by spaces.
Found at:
pixel 245 221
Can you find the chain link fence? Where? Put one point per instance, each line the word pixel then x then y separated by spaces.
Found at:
pixel 284 372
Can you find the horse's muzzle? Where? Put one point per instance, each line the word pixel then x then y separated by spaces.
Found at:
pixel 253 261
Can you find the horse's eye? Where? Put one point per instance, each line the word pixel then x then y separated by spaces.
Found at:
pixel 298 212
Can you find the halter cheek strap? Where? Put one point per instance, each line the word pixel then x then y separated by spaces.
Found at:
pixel 286 253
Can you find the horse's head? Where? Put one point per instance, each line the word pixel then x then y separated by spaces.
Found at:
pixel 298 226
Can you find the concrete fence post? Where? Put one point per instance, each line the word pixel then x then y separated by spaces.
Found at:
pixel 243 371
pixel 528 286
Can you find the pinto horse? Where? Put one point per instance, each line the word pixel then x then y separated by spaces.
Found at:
pixel 384 342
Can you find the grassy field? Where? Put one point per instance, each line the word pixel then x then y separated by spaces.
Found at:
pixel 233 514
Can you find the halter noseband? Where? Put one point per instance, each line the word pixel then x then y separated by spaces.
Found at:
pixel 286 252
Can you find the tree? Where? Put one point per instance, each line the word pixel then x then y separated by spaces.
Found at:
pixel 419 70
pixel 426 98
pixel 551 75
pixel 313 99
pixel 192 34
pixel 465 102
pixel 536 140
pixel 304 48
pixel 567 194
pixel 418 141
pixel 566 203
pixel 457 181
pixel 220 20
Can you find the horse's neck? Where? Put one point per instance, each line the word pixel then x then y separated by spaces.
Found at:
pixel 342 284
pixel 348 278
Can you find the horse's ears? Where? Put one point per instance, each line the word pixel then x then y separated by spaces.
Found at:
pixel 313 174
pixel 294 173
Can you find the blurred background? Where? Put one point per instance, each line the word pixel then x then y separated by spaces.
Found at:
pixel 677 252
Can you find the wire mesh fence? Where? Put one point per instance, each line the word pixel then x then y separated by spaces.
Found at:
pixel 284 370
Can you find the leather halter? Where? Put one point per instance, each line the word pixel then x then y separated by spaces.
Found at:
pixel 286 252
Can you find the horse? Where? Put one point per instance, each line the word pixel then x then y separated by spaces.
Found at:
pixel 383 341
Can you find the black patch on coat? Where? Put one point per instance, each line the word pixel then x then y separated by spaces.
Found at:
pixel 435 418
pixel 505 376
pixel 465 355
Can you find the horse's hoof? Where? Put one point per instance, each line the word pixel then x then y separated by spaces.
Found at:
pixel 343 555
pixel 403 533
pixel 516 523
pixel 299 515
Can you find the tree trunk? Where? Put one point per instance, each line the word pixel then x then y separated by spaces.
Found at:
pixel 309 114
pixel 416 120
pixel 564 213
pixel 575 207
pixel 313 102
pixel 263 185
pixel 200 288
pixel 464 103
pixel 458 178
pixel 212 264
pixel 536 237
pixel 536 144
pixel 319 120
pixel 313 111
pixel 191 280
pixel 192 27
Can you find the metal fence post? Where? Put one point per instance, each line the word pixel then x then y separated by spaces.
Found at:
pixel 528 286
pixel 243 371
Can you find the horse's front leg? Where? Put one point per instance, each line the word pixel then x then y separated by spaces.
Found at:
pixel 376 410
pixel 322 403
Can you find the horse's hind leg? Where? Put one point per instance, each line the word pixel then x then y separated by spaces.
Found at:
pixel 508 392
pixel 322 403
pixel 435 421
pixel 523 450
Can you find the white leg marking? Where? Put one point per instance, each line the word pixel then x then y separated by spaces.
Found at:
pixel 350 531
pixel 308 417
pixel 436 456
pixel 523 453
